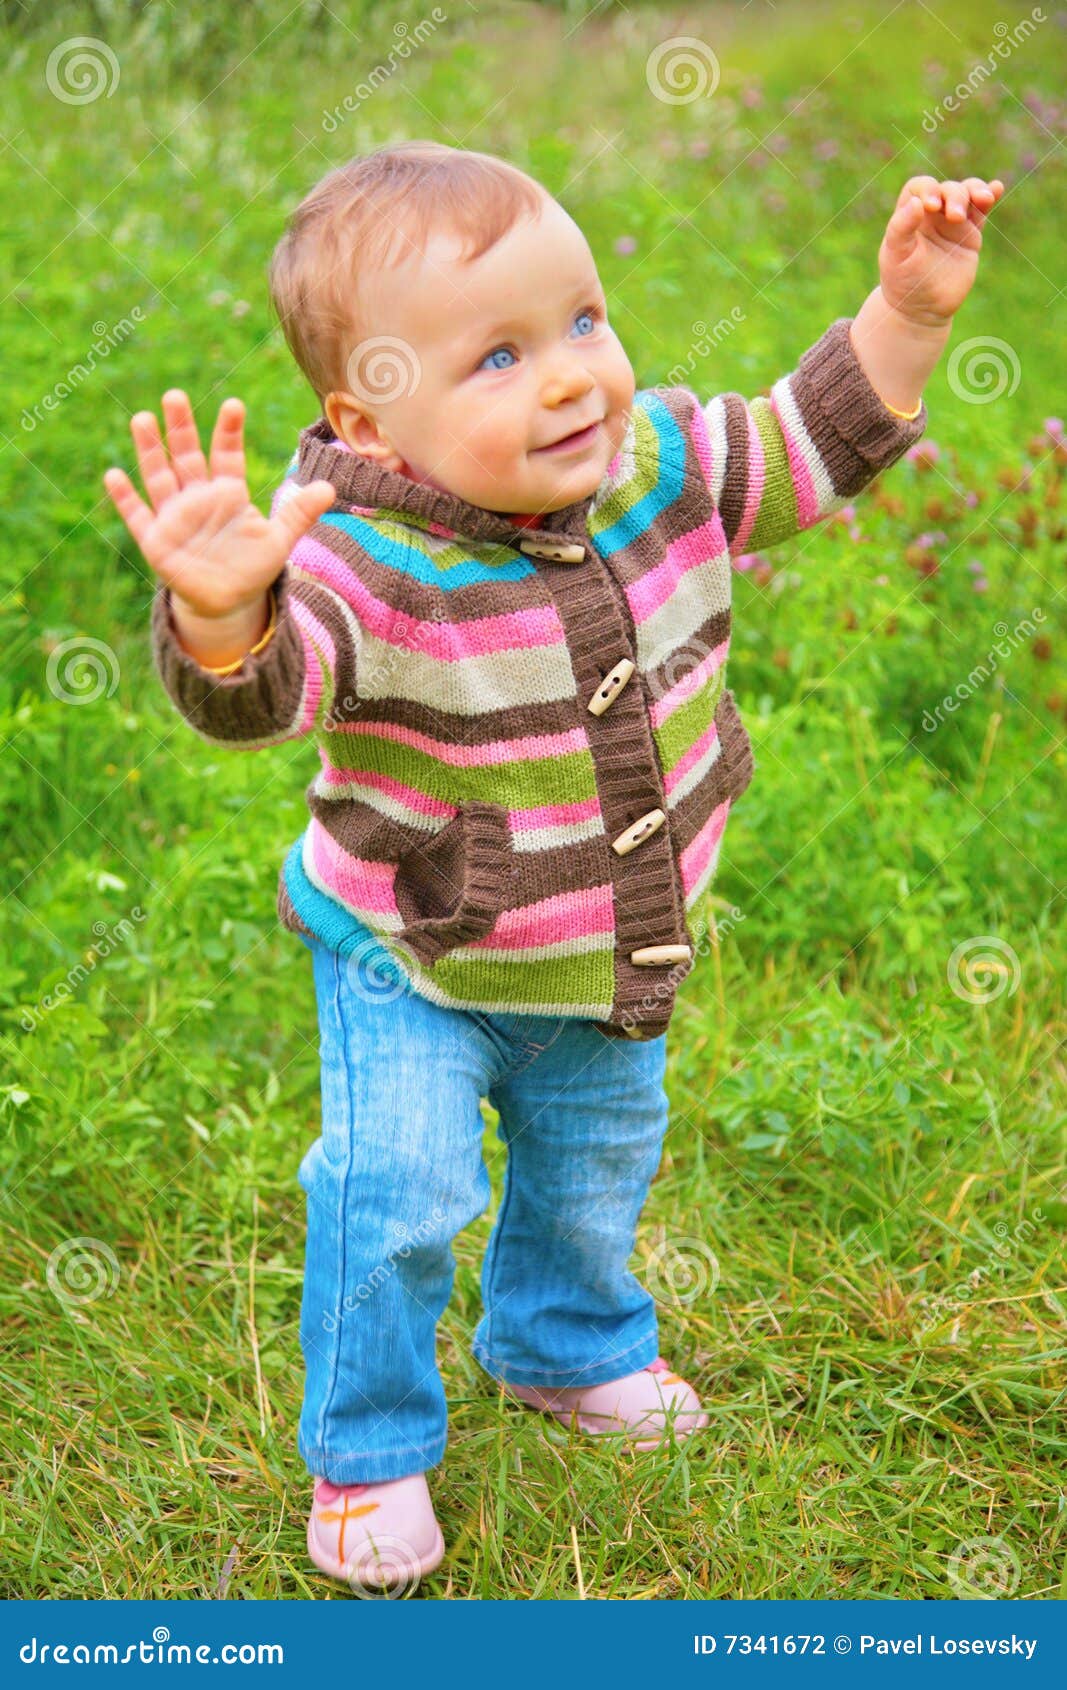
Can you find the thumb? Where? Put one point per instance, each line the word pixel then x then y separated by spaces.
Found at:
pixel 900 232
pixel 296 514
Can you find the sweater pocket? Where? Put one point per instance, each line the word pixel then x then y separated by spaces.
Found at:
pixel 450 889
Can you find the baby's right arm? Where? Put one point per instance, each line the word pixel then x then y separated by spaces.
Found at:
pixel 219 562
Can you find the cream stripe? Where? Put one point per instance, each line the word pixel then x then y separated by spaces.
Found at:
pixel 715 417
pixel 825 498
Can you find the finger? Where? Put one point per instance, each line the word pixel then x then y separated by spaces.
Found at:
pixel 301 509
pixel 182 439
pixel 137 516
pixel 927 189
pixel 955 201
pixel 160 481
pixel 981 191
pixel 901 228
pixel 227 441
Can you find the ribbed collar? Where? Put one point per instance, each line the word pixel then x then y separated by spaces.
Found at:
pixel 360 482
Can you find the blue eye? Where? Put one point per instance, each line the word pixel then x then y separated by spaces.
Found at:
pixel 487 361
pixel 586 317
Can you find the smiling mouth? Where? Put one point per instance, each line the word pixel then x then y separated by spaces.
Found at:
pixel 573 442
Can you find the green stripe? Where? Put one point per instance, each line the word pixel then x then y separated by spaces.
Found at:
pixel 623 497
pixel 586 979
pixel 326 696
pixel 680 731
pixel 777 517
pixel 526 781
pixel 443 554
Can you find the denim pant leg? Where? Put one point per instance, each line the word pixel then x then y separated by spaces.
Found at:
pixel 396 1174
pixel 584 1124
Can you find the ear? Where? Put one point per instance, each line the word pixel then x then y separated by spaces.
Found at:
pixel 353 423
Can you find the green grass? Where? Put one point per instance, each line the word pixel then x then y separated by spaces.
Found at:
pixel 876 1162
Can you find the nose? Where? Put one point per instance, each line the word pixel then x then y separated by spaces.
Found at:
pixel 569 380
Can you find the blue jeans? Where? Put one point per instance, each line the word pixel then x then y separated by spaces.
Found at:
pixel 398 1172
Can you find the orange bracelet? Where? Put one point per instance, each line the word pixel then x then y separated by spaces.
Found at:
pixel 905 416
pixel 228 668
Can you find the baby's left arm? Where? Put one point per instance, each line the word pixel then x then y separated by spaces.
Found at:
pixel 854 403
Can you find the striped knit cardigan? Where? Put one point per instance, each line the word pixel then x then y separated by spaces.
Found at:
pixel 528 752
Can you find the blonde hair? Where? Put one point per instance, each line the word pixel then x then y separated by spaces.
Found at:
pixel 373 211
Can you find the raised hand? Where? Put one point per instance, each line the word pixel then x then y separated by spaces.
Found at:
pixel 929 257
pixel 200 531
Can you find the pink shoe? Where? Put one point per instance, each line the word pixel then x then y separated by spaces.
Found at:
pixel 652 1400
pixel 382 1537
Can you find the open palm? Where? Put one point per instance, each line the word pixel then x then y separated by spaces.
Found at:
pixel 200 531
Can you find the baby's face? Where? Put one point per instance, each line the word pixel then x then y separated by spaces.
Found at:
pixel 514 354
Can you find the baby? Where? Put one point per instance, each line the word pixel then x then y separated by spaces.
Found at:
pixel 495 586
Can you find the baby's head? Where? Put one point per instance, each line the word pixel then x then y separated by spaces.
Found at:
pixel 448 313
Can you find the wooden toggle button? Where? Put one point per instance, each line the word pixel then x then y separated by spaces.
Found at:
pixel 552 553
pixel 649 955
pixel 611 686
pixel 638 830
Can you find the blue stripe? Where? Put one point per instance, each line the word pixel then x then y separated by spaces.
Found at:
pixel 669 484
pixel 408 559
pixel 334 926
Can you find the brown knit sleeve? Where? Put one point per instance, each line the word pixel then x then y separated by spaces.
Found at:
pixel 778 463
pixel 853 431
pixel 270 698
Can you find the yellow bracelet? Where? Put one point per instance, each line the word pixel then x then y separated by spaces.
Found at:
pixel 905 416
pixel 228 668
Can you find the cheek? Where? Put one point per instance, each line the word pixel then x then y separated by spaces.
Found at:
pixel 492 436
pixel 623 383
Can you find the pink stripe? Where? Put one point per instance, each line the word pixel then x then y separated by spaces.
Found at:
pixel 757 476
pixel 567 915
pixel 691 682
pixel 475 756
pixel 519 630
pixel 407 795
pixel 688 552
pixel 313 681
pixel 807 499
pixel 696 751
pixel 696 856
pixel 309 624
pixel 554 815
pixel 364 885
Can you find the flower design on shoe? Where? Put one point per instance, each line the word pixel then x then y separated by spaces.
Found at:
pixel 327 1493
pixel 662 1368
